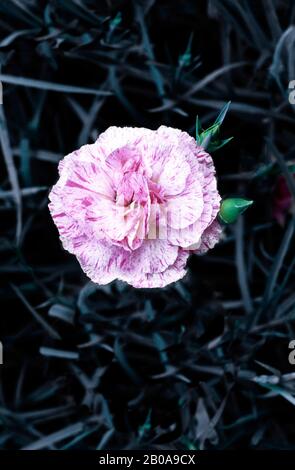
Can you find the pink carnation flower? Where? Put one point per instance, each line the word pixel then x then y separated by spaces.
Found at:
pixel 135 204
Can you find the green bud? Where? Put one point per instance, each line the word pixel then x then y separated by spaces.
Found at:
pixel 209 138
pixel 231 208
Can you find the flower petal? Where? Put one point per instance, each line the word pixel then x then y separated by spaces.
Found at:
pixel 210 237
pixel 153 256
pixel 99 260
pixel 161 279
pixel 185 208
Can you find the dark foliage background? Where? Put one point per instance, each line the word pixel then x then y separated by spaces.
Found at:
pixel 203 363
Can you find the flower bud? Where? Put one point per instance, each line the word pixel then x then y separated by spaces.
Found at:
pixel 231 208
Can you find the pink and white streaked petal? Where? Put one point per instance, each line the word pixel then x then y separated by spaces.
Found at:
pixel 116 137
pixel 80 186
pixel 68 227
pixel 173 273
pixel 153 256
pixel 210 237
pixel 173 176
pixel 125 159
pixel 185 237
pixel 99 260
pixel 185 208
pixel 86 153
pixel 183 144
